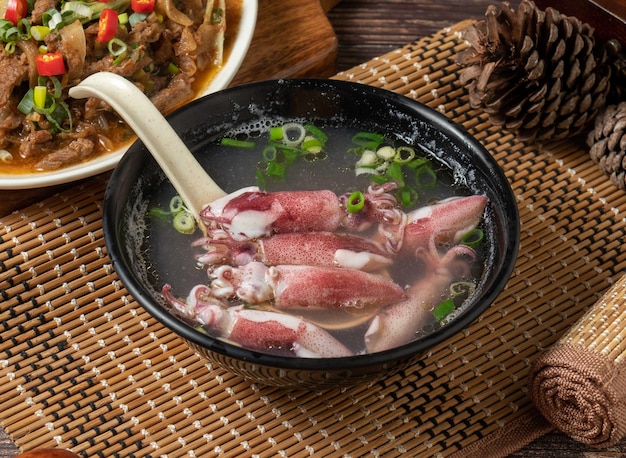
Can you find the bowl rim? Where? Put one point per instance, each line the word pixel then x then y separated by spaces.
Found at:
pixel 451 129
pixel 108 161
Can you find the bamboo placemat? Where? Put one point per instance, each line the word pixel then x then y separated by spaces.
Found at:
pixel 83 366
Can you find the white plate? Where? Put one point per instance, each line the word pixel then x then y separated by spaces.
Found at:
pixel 108 161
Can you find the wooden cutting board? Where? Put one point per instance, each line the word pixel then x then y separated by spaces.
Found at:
pixel 292 38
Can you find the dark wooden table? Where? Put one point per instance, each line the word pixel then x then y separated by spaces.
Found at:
pixel 369 28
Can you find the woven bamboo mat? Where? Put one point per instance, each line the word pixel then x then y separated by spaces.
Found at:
pixel 83 366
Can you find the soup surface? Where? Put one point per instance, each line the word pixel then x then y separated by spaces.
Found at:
pixel 412 242
pixel 170 50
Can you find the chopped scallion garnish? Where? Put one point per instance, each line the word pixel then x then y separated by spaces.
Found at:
pixel 473 238
pixel 184 222
pixel 276 134
pixel 355 202
pixel 316 132
pixel 443 310
pixel 40 94
pixel 270 153
pixel 404 154
pixel 233 142
pixel 425 177
pixel 407 196
pixel 293 133
pixel 176 204
pixel 116 47
pixel 368 140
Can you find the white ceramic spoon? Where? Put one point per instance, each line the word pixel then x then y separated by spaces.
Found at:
pixel 192 183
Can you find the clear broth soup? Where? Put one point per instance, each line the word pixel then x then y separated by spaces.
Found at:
pixel 333 169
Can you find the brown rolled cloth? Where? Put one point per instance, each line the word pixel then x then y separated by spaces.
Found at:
pixel 579 384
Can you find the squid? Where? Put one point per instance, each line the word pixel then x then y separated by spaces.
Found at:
pixel 293 287
pixel 257 329
pixel 272 255
pixel 399 323
pixel 325 249
pixel 441 224
pixel 249 214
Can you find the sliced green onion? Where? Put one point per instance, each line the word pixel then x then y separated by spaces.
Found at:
pixel 260 179
pixel 366 171
pixel 473 238
pixel 184 222
pixel 404 154
pixel 275 169
pixel 276 134
pixel 425 177
pixel 176 204
pixel 27 103
pixel 233 142
pixel 82 11
pixel 122 18
pixel 417 163
pixel 316 132
pixel 159 213
pixel 58 87
pixel 356 202
pixel 23 27
pixel 407 196
pixel 135 18
pixel 270 153
pixel 386 153
pixel 443 310
pixel 293 134
pixel 173 69
pixel 121 58
pixel 394 172
pixel 52 19
pixel 116 47
pixel 39 32
pixel 312 144
pixel 368 158
pixel 368 140
pixel 460 288
pixel 40 94
pixel 289 152
pixel 59 114
pixel 217 15
pixel 11 34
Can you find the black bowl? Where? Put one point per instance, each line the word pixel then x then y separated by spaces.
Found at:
pixel 140 256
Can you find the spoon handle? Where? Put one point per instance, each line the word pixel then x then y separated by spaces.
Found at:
pixel 190 180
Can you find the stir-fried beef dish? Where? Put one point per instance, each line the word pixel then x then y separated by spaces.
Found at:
pixel 166 48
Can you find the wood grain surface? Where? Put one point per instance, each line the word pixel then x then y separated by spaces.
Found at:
pixel 365 29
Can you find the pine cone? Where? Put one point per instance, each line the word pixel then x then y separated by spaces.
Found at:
pixel 607 143
pixel 537 73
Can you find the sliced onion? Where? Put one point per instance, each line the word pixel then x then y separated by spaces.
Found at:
pixel 30 50
pixel 74 43
pixel 167 6
pixel 5 156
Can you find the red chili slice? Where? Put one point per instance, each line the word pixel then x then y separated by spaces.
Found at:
pixel 107 25
pixel 16 10
pixel 142 6
pixel 50 64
